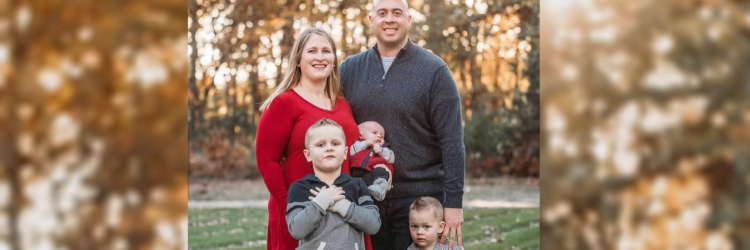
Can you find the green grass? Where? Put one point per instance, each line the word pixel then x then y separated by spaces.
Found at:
pixel 245 229
pixel 501 228
pixel 227 228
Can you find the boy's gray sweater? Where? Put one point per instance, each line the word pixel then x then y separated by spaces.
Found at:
pixel 418 105
pixel 317 228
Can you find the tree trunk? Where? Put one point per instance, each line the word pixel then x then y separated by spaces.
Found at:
pixel 496 105
pixel 255 93
pixel 287 14
pixel 14 207
pixel 10 158
pixel 192 8
pixel 231 107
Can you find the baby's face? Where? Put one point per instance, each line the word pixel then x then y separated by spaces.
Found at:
pixel 372 131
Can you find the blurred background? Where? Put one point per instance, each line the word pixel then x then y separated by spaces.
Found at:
pixel 646 124
pixel 646 118
pixel 93 139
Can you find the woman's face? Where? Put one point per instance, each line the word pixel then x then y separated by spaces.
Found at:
pixel 317 59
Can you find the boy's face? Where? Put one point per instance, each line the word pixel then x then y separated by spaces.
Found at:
pixel 327 149
pixel 373 131
pixel 424 227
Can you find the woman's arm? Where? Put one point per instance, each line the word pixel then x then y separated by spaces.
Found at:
pixel 272 137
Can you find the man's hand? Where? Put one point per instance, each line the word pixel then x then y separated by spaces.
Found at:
pixel 454 221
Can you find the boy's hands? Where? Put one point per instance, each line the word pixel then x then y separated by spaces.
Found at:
pixel 336 193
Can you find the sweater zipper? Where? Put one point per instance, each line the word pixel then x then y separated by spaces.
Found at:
pixel 385 73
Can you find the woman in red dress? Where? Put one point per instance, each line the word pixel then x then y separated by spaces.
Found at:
pixel 310 91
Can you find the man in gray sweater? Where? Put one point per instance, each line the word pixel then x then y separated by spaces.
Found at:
pixel 410 91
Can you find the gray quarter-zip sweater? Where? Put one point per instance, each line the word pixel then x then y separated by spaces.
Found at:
pixel 418 104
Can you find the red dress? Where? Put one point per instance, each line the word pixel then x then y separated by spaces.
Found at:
pixel 281 132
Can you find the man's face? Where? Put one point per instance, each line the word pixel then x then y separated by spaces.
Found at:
pixel 424 227
pixel 327 149
pixel 390 21
pixel 374 132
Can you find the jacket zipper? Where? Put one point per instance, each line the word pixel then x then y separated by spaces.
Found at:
pixel 385 73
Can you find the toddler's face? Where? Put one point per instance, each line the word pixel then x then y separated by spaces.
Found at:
pixel 424 227
pixel 327 149
pixel 373 131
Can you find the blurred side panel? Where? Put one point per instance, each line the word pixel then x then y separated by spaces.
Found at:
pixel 646 124
pixel 93 139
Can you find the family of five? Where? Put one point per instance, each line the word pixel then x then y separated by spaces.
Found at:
pixel 321 145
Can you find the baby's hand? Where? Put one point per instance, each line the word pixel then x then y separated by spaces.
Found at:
pixel 377 149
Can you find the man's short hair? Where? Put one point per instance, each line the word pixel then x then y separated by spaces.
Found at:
pixel 375 2
pixel 426 203
pixel 321 123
